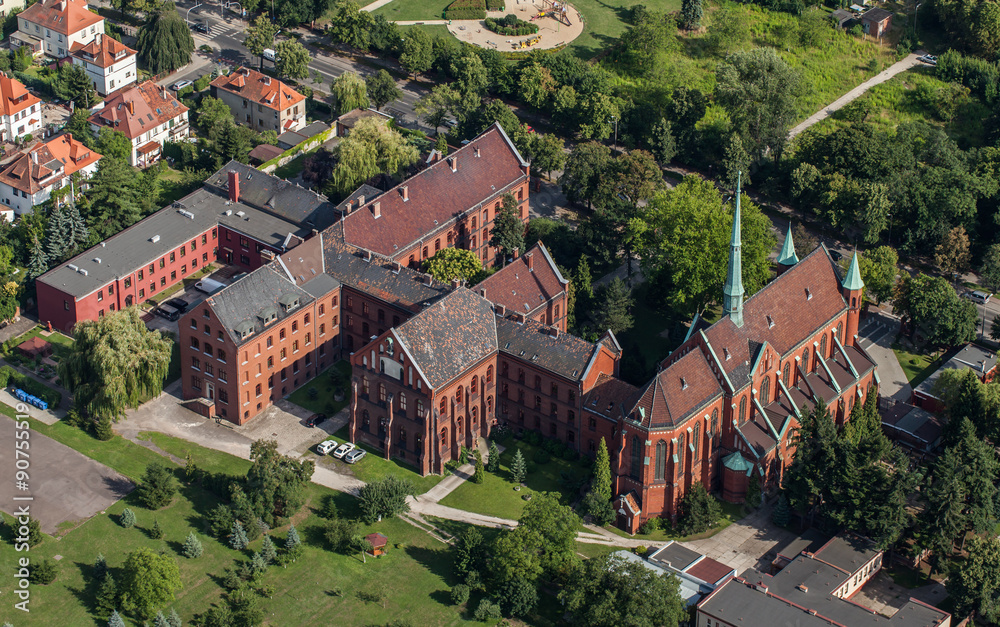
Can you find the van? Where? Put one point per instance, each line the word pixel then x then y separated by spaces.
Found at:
pixel 269 54
pixel 168 312
pixel 978 297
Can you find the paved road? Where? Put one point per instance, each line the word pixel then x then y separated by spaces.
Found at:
pixel 855 93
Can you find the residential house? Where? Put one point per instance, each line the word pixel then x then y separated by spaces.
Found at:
pixel 20 110
pixel 30 178
pixel 148 115
pixel 109 63
pixel 876 22
pixel 261 102
pixel 53 27
pixel 972 357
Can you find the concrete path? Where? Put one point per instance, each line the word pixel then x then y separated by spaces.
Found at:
pixel 745 544
pixel 854 94
pixel 876 338
pixel 376 5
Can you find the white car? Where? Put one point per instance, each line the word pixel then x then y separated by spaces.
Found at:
pixel 326 446
pixel 270 55
pixel 354 455
pixel 343 449
pixel 179 85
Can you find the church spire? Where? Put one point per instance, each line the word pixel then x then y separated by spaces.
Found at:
pixel 733 292
pixel 852 281
pixel 787 257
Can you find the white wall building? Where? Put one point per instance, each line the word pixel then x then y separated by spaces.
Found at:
pixel 30 178
pixel 148 115
pixel 20 110
pixel 109 63
pixel 54 26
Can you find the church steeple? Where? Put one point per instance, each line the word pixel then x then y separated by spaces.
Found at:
pixel 787 257
pixel 733 292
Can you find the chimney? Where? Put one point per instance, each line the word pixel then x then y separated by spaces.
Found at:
pixel 455 284
pixel 501 310
pixel 395 267
pixel 477 152
pixel 404 191
pixel 131 107
pixel 516 253
pixel 377 209
pixel 426 279
pixel 267 80
pixel 530 259
pixel 554 332
pixel 267 254
pixel 34 157
pixel 453 162
pixel 361 201
pixel 234 186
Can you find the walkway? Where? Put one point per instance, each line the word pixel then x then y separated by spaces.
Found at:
pixel 881 77
pixel 378 4
pixel 876 338
pixel 747 543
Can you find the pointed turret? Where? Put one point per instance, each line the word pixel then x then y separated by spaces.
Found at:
pixel 853 280
pixel 787 257
pixel 733 292
pixel 852 288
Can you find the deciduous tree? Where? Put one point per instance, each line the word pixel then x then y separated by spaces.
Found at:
pixel 165 41
pixel 952 254
pixel 382 89
pixel 437 105
pixel 292 59
pixel 416 56
pixel 275 483
pixel 351 92
pixel 453 263
pixel 546 152
pixel 260 36
pixel 213 116
pixel 586 166
pixel 879 268
pixel 990 270
pixel 508 229
pixel 149 581
pixel 384 498
pixel 371 148
pixel 931 304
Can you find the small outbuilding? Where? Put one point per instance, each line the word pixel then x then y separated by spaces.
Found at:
pixel 378 542
pixel 35 347
pixel 876 22
pixel 347 121
pixel 264 153
pixel 842 18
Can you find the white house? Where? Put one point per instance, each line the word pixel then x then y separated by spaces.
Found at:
pixel 20 110
pixel 109 63
pixel 148 115
pixel 29 179
pixel 54 26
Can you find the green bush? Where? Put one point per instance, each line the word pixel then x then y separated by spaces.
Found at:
pixel 9 376
pixel 460 594
pixel 495 5
pixel 533 438
pixel 510 25
pixel 541 457
pixel 466 10
pixel 202 83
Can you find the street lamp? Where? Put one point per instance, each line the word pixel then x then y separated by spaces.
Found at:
pixel 188 14
pixel 615 121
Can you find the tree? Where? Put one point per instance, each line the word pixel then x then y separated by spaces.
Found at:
pixel 662 142
pixel 878 271
pixel 293 544
pixel 372 148
pixel 691 14
pixel 56 235
pixel 77 233
pixel 238 536
pixel 158 486
pixel 384 498
pixel 815 459
pixel 291 59
pixel 479 475
pixel 697 511
pixel 781 515
pixel 213 116
pixel 234 141
pixel 435 106
pixel 508 229
pixel 114 144
pixel 613 591
pixel 165 41
pixel 340 534
pixel 614 310
pixel 952 254
pixel 260 36
pixel 519 597
pixel 586 167
pixel 100 568
pixel 43 573
pixel 460 594
pixel 79 127
pixel 115 202
pixel 156 532
pixel 160 620
pixel 931 304
pixel 74 84
pixel 453 263
pixel 555 525
pixel 351 92
pixel 944 517
pixel 38 261
pixel 536 85
pixel 416 55
pixel 547 153
pixel 471 79
pixel 149 581
pixel 382 89
pixel 127 518
pixel 115 363
pixel 518 468
pixel 267 551
pixel 493 461
pixel 173 619
pixel 736 162
pixel 107 595
pixel 192 546
pixel 758 88
pixel 990 269
pixel 975 586
pixel 115 620
pixel 515 553
pixel 275 484
pixel 470 552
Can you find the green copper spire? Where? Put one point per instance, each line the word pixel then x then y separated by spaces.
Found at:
pixel 853 279
pixel 787 257
pixel 733 292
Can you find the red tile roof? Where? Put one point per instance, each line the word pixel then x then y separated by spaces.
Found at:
pixel 438 195
pixel 62 16
pixel 103 51
pixel 138 109
pixel 709 570
pixel 677 391
pixel 259 88
pixel 30 171
pixel 522 290
pixel 14 96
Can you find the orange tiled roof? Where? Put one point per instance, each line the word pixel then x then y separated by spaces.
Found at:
pixel 14 96
pixel 259 88
pixel 30 171
pixel 522 290
pixel 138 109
pixel 63 16
pixel 103 51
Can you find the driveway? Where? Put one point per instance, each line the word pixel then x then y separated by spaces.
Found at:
pixel 65 485
pixel 876 337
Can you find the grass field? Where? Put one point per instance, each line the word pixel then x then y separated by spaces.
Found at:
pixel 373 466
pixel 413 10
pixel 917 366
pixel 324 402
pixel 496 495
pixel 730 514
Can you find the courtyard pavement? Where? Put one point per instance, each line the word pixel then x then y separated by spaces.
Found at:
pixel 748 543
pixel 876 337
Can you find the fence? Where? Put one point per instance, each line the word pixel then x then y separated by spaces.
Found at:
pixel 296 151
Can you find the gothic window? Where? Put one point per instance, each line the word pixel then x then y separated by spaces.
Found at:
pixel 765 390
pixel 489 374
pixel 696 442
pixel 364 385
pixel 743 410
pixel 381 392
pixel 680 454
pixel 444 437
pixel 840 331
pixel 474 386
pixel 715 424
pixel 402 401
pixel 444 406
pixel 365 420
pixel 822 347
pixel 786 373
pixel 805 360
pixel 636 458
pixel 661 460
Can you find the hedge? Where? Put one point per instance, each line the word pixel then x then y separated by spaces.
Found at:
pixel 9 376
pixel 511 26
pixel 495 5
pixel 466 10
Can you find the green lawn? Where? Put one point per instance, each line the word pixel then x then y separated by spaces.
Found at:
pixel 917 366
pixel 61 344
pixel 410 10
pixel 324 402
pixel 434 30
pixel 496 495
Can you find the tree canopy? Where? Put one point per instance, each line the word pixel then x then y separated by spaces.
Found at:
pixel 382 89
pixel 165 41
pixel 933 307
pixel 149 581
pixel 371 148
pixel 351 92
pixel 292 59
pixel 453 263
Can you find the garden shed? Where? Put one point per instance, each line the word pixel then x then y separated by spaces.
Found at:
pixel 35 347
pixel 378 542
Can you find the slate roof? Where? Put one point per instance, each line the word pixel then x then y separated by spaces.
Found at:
pixel 62 16
pixel 103 51
pixel 437 195
pixel 609 395
pixel 876 15
pixel 277 196
pixel 14 96
pixel 364 191
pixel 795 313
pixel 247 299
pixel 525 291
pixel 30 171
pixel 259 88
pixel 677 392
pixel 566 355
pixel 138 109
pixel 449 336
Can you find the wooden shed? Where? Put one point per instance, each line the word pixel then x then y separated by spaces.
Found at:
pixel 379 543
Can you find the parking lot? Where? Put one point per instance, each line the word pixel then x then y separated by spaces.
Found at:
pixel 189 294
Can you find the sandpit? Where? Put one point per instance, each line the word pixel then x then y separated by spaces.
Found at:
pixel 552 32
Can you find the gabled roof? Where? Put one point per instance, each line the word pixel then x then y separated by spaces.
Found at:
pixel 138 109
pixel 876 15
pixel 62 16
pixel 533 342
pixel 450 336
pixel 438 195
pixel 14 96
pixel 259 88
pixel 522 290
pixel 609 396
pixel 677 392
pixel 33 170
pixel 246 303
pixel 103 51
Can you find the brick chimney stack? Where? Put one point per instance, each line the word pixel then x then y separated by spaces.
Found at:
pixel 377 209
pixel 529 258
pixel 404 191
pixel 234 186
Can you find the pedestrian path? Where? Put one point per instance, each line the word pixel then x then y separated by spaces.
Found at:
pixel 424 22
pixel 375 5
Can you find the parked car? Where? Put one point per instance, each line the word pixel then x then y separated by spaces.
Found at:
pixel 168 312
pixel 343 449
pixel 315 420
pixel 179 85
pixel 324 448
pixel 978 297
pixel 269 54
pixel 200 27
pixel 179 304
pixel 929 59
pixel 354 456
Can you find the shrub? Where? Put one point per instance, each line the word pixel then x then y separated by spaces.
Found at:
pixel 127 518
pixel 487 611
pixel 460 594
pixel 541 457
pixel 329 510
pixel 650 526
pixel 42 573
pixel 639 550
pixel 466 10
pixel 495 5
pixel 202 83
pixel 14 378
pixel 192 546
pixel 511 26
pixel 533 438
pixel 157 531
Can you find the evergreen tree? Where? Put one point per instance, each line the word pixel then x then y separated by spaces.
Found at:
pixel 815 459
pixel 518 468
pixel 100 567
pixel 782 513
pixel 173 619
pixel 698 511
pixel 662 142
pixel 601 484
pixel 165 41
pixel 479 475
pixel 127 518
pixel 107 595
pixel 614 310
pixel 157 531
pixel 238 537
pixel 192 546
pixel 158 486
pixel 160 620
pixel 975 585
pixel 583 284
pixel 76 229
pixel 508 229
pixel 267 550
pixel 691 14
pixel 103 430
pixel 753 497
pixel 38 261
pixel 470 552
pixel 115 620
pixel 493 464
pixel 57 235
pixel 944 518
pixel 293 545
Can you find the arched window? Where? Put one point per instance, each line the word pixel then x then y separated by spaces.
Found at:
pixel 458 428
pixel 636 469
pixel 696 441
pixel 420 408
pixel 661 460
pixel 743 410
pixel 444 406
pixel 364 385
pixel 715 424
pixel 402 437
pixel 805 360
pixel 489 405
pixel 489 374
pixel 786 373
pixel 765 390
pixel 459 396
pixel 475 417
pixel 840 331
pixel 680 454
pixel 419 440
pixel 822 347
pixel 444 437
pixel 381 392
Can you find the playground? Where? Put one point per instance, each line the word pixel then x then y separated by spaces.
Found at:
pixel 558 24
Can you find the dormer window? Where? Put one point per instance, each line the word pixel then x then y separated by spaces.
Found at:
pixel 289 302
pixel 244 329
pixel 725 351
pixel 268 315
pixel 684 383
pixel 770 322
pixel 808 294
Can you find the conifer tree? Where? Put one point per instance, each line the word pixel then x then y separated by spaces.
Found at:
pixel 107 594
pixel 480 473
pixel 267 550
pixel 173 619
pixel 127 518
pixel 160 620
pixel 56 235
pixel 293 545
pixel 238 537
pixel 76 228
pixel 192 546
pixel 518 468
pixel 157 531
pixel 583 284
pixel 508 229
pixel 493 463
pixel 38 261
pixel 115 620
pixel 100 567
pixel 602 472
pixel 782 514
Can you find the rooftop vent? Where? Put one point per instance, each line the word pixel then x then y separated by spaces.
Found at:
pixel 97 260
pixel 72 267
pixel 404 191
pixel 808 294
pixel 240 214
pixel 155 239
pixel 82 271
pixel 186 213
